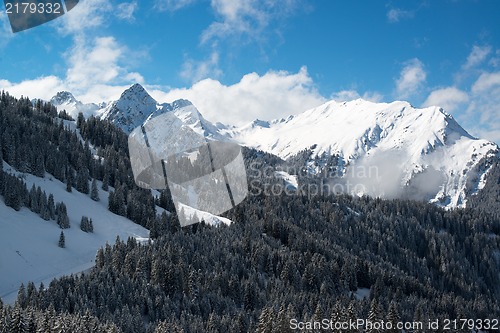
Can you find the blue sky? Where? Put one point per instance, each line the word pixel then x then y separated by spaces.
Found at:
pixel 243 59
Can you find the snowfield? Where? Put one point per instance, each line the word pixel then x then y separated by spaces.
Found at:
pixel 30 249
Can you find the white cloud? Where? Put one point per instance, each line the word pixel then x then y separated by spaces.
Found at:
pixel 172 5
pixel 95 73
pixel 483 113
pixel 42 87
pixel 486 81
pixel 273 95
pixel 126 10
pixel 245 17
pixel 98 64
pixel 94 64
pixel 349 95
pixel 477 56
pixel 411 79
pixel 395 14
pixel 88 14
pixel 449 98
pixel 197 70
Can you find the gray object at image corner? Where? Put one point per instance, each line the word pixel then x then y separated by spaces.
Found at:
pixel 27 14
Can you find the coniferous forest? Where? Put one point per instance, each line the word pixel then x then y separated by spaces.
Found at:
pixel 285 256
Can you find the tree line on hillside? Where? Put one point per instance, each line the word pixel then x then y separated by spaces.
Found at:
pixel 36 139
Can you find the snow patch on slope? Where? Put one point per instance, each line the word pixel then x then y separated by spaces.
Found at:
pixel 290 180
pixel 209 218
pixel 30 249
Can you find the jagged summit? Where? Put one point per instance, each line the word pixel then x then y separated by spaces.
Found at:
pixel 131 109
pixel 137 92
pixel 180 103
pixel 260 123
pixel 63 97
pixel 64 100
pixel 135 106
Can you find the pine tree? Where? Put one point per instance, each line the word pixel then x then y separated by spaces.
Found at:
pixel 352 313
pixel 80 120
pixel 21 296
pixel 265 324
pixel 17 322
pixel 30 321
pixel 82 180
pixel 62 241
pixel 105 179
pixel 51 207
pixel 393 317
pixel 44 208
pixel 39 167
pixel 283 322
pixel 69 180
pixel 3 321
pixel 84 224
pixel 374 315
pixel 62 216
pixel 318 314
pixel 100 259
pixel 33 199
pixel 338 313
pixel 94 192
pixel 12 190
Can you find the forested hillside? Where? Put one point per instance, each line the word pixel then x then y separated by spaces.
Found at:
pixel 293 257
pixel 284 257
pixel 488 199
pixel 35 139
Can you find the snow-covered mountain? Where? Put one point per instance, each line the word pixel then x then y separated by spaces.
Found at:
pixel 382 148
pixel 135 106
pixel 65 100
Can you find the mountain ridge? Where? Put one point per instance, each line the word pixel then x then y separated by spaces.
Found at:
pixel 64 100
pixel 404 142
pixel 422 150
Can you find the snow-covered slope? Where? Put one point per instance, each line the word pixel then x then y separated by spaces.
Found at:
pixel 191 117
pixel 382 148
pixel 30 249
pixel 65 100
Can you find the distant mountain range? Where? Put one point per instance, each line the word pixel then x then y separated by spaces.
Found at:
pixel 380 149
